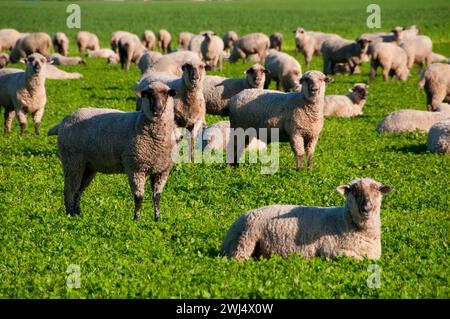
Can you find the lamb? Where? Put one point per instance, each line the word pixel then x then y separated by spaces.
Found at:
pixel 189 103
pixel 438 140
pixel 183 40
pixel 61 43
pixel 39 42
pixel 4 60
pixel 218 90
pixel 172 63
pixel 59 59
pixel 148 39
pixel 439 58
pixel 212 49
pixel 108 141
pixel 248 44
pixel 164 41
pixel 436 81
pixel 114 40
pixel 284 69
pixel 352 230
pixel 347 105
pixel 411 120
pixel 24 92
pixel 8 38
pixel 276 41
pixel 419 50
pixel 335 50
pixel 87 40
pixel 53 73
pixel 310 42
pixel 148 59
pixel 228 39
pixel 101 53
pixel 391 58
pixel 130 50
pixel 298 116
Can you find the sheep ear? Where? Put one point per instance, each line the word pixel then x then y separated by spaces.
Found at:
pixel 185 66
pixel 328 80
pixel 172 92
pixel 384 189
pixel 343 189
pixel 266 71
pixel 249 71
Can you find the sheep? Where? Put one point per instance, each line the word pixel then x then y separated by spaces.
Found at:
pixel 4 60
pixel 130 50
pixel 439 58
pixel 309 43
pixel 24 92
pixel 284 69
pixel 114 39
pixel 164 41
pixel 172 63
pixel 347 105
pixel 218 90
pixel 438 140
pixel 138 144
pixel 228 39
pixel 59 59
pixel 61 43
pixel 39 42
pixel 212 49
pixel 196 43
pixel 183 40
pixel 53 73
pixel 391 58
pixel 87 40
pixel 147 59
pixel 148 39
pixel 298 116
pixel 401 33
pixel 396 35
pixel 352 230
pixel 276 41
pixel 419 50
pixel 336 50
pixel 248 44
pixel 435 80
pixel 101 53
pixel 411 120
pixel 190 103
pixel 8 38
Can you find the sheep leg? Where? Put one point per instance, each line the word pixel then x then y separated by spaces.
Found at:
pixel 87 178
pixel 373 69
pixel 386 70
pixel 435 101
pixel 137 183
pixel 277 84
pixel 9 117
pixel 310 147
pixel 37 117
pixel 158 182
pixel 73 175
pixel 298 147
pixel 22 118
pixel 326 65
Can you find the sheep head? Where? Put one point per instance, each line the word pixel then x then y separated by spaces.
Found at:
pixel 313 84
pixel 193 73
pixel 256 76
pixel 155 100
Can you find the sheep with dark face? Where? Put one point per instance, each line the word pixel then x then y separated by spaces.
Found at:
pixel 276 41
pixel 436 82
pixel 61 43
pixel 229 38
pixel 4 60
pixel 347 105
pixel 310 42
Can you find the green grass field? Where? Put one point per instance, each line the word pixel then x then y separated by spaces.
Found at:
pixel 178 257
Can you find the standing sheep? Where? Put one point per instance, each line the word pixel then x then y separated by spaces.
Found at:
pixel 310 42
pixel 298 116
pixel 61 43
pixel 352 230
pixel 248 44
pixel 436 81
pixel 24 92
pixel 284 69
pixel 130 50
pixel 276 41
pixel 59 59
pixel 108 141
pixel 419 50
pixel 391 58
pixel 195 45
pixel 212 49
pixel 114 40
pixel 164 41
pixel 4 60
pixel 438 140
pixel 148 39
pixel 183 40
pixel 228 39
pixel 347 105
pixel 218 90
pixel 8 38
pixel 87 40
pixel 32 43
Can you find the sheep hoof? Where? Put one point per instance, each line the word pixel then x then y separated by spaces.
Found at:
pixel 136 216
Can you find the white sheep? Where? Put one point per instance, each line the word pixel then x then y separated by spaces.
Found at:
pixel 212 48
pixel 114 39
pixel 438 140
pixel 391 58
pixel 352 230
pixel 131 49
pixel 248 44
pixel 418 50
pixel 435 80
pixel 87 40
pixel 347 105
pixel 183 40
pixel 8 38
pixel 27 44
pixel 101 53
pixel 61 43
pixel 439 58
pixel 284 69
pixel 229 38
pixel 148 39
pixel 164 41
pixel 310 42
pixel 52 73
pixel 59 59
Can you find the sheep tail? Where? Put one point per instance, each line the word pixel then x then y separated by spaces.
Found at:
pixel 53 130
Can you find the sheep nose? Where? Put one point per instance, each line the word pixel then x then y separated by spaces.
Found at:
pixel 367 206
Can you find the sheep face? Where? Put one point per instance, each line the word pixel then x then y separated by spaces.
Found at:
pixel 155 100
pixel 360 90
pixel 363 46
pixel 397 31
pixel 36 63
pixel 193 74
pixel 364 199
pixel 256 76
pixel 403 74
pixel 313 84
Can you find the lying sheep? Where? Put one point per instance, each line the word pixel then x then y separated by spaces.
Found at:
pixel 436 81
pixel 189 103
pixel 100 53
pixel 52 73
pixel 130 50
pixel 32 43
pixel 164 41
pixel 284 69
pixel 148 59
pixel 418 50
pixel 391 58
pixel 8 38
pixel 352 230
pixel 310 42
pixel 114 40
pixel 59 59
pixel 411 120
pixel 276 41
pixel 347 105
pixel 61 43
pixel 172 63
pixel 212 49
pixel 24 92
pixel 183 40
pixel 87 40
pixel 109 141
pixel 298 116
pixel 439 58
pixel 148 39
pixel 248 44
pixel 4 60
pixel 228 39
pixel 438 140
pixel 335 50
pixel 218 90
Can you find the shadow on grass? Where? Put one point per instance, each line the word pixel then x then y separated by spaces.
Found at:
pixel 412 148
